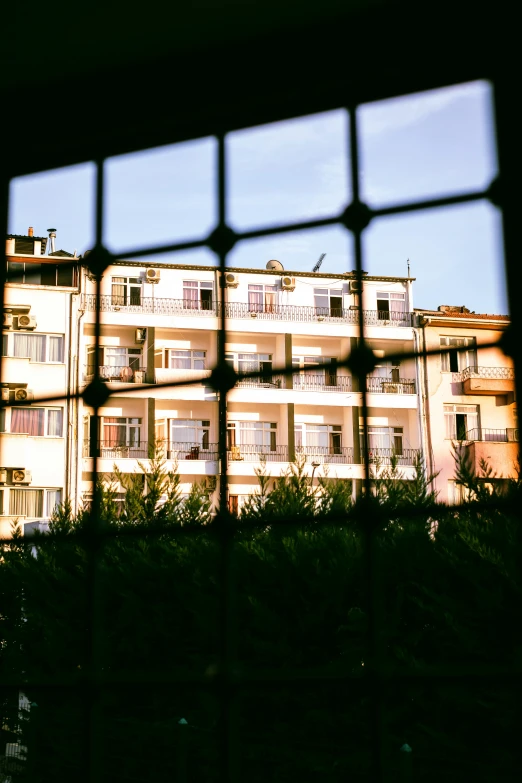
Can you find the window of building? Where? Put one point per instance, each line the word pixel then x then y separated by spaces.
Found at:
pixel 185 360
pixel 121 431
pixel 326 437
pixel 37 422
pixel 461 422
pixel 328 301
pixel 262 298
pixel 126 291
pixel 196 431
pixel 390 306
pixel 198 295
pixel 249 362
pixel 113 360
pixel 328 376
pixel 466 357
pixel 28 273
pixel 26 502
pixel 46 348
pixel 385 439
pixel 252 433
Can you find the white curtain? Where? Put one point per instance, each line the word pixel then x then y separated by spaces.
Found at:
pixel 26 502
pixel 55 422
pixel 30 345
pixel 55 348
pixel 54 498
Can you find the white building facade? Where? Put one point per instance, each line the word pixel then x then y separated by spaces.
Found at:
pixel 161 324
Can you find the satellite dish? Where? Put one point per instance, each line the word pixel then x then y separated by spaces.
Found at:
pixel 276 265
pixel 318 265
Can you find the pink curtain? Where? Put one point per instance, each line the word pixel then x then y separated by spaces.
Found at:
pixel 28 420
pixel 190 295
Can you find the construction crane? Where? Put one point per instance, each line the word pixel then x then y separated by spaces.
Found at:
pixel 318 265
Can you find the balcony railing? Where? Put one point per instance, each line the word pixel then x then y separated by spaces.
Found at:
pixel 274 312
pixel 120 374
pixel 251 452
pixel 315 382
pixel 327 454
pixel 109 450
pixel 504 373
pixel 383 456
pixel 387 386
pixel 274 382
pixel 508 435
pixel 169 449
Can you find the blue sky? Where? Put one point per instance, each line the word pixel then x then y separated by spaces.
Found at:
pixel 426 145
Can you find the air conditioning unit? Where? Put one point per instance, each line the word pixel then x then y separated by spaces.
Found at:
pixel 8 320
pixel 26 322
pixel 140 335
pixel 355 287
pixel 22 476
pixel 231 280
pixel 5 393
pixel 23 395
pixel 288 283
pixel 152 275
pixel 3 475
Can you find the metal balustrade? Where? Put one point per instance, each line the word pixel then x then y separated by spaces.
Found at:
pixel 315 382
pixel 274 382
pixel 297 313
pixel 504 373
pixel 384 456
pixel 122 374
pixel 251 452
pixel 507 435
pixel 330 454
pixel 387 386
pixel 173 450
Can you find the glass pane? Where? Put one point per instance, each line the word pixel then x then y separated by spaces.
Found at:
pixel 28 420
pixel 426 145
pixel 161 195
pixel 54 422
pixel 286 171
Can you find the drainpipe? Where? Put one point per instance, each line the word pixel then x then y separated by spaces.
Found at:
pixel 79 442
pixel 424 398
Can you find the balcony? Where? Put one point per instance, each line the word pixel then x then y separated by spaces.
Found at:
pixel 383 456
pixel 292 313
pixel 387 386
pixel 116 374
pixel 337 455
pixel 498 447
pixel 304 382
pixel 170 450
pixel 488 380
pixel 251 452
pixel 508 435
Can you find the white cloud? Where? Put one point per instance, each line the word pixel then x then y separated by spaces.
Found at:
pixel 398 113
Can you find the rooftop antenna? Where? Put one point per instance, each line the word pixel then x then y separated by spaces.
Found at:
pixel 318 265
pixel 408 262
pixel 52 237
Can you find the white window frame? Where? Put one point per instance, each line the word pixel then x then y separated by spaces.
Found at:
pixel 327 308
pixel 269 296
pixel 238 432
pixel 8 346
pixel 303 432
pixel 198 303
pixel 201 429
pixel 390 297
pixel 130 423
pixel 8 420
pixel 129 285
pixel 451 411
pixel 45 495
pixel 466 356
pixel 192 355
pixel 391 433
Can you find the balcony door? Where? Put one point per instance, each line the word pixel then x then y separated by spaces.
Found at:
pixel 126 291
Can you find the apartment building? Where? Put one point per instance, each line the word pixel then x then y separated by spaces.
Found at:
pixel 466 397
pixel 160 323
pixel 38 321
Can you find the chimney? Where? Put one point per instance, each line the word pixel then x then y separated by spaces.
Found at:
pixel 52 237
pixel 10 246
pixel 30 231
